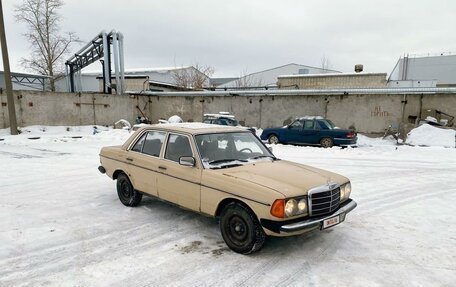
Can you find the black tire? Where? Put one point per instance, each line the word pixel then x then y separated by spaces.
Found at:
pixel 127 194
pixel 273 139
pixel 240 229
pixel 326 142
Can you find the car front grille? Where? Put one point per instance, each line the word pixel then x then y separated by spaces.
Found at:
pixel 324 202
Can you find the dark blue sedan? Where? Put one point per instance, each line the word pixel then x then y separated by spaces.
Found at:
pixel 310 131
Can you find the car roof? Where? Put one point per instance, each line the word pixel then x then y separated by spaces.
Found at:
pixel 227 116
pixel 194 128
pixel 311 118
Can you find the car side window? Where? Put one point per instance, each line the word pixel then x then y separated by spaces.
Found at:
pixel 139 144
pixel 323 125
pixel 153 143
pixel 297 125
pixel 309 125
pixel 177 146
pixel 223 122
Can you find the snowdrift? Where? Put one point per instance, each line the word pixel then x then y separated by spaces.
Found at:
pixel 427 135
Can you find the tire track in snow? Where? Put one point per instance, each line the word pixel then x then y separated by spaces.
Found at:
pixel 65 257
pixel 385 206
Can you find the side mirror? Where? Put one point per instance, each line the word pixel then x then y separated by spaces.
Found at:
pixel 270 148
pixel 187 161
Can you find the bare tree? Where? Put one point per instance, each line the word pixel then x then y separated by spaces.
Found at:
pixel 194 77
pixel 245 80
pixel 48 44
pixel 325 63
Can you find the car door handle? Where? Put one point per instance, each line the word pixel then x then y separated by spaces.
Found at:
pixel 129 159
pixel 162 167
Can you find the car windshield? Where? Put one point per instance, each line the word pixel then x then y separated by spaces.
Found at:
pixel 221 121
pixel 222 150
pixel 227 122
pixel 326 124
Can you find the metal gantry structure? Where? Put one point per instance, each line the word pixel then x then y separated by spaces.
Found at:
pixel 101 48
pixel 30 81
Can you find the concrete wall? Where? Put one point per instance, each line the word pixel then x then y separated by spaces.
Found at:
pixel 366 113
pixel 361 80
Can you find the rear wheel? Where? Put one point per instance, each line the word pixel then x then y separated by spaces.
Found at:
pixel 127 194
pixel 326 142
pixel 273 139
pixel 240 229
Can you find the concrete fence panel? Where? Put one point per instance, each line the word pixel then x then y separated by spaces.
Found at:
pixel 369 113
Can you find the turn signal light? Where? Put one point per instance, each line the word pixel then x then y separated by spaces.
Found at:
pixel 278 208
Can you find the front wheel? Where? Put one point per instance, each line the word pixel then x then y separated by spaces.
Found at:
pixel 127 194
pixel 240 229
pixel 273 139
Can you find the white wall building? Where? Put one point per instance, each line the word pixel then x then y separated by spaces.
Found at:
pixel 424 71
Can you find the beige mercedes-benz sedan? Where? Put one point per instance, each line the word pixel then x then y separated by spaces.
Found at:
pixel 227 172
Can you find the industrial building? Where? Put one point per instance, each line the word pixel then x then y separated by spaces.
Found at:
pixel 142 79
pixel 424 71
pixel 268 78
pixel 333 81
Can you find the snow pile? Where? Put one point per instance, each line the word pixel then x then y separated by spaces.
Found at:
pixel 427 135
pixel 124 123
pixel 365 141
pixel 431 119
pixel 48 134
pixel 175 119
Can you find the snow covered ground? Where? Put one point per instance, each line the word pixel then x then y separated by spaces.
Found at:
pixel 62 224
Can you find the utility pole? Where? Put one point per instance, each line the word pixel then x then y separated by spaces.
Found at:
pixel 8 84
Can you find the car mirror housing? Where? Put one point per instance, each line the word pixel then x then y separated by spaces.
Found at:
pixel 187 161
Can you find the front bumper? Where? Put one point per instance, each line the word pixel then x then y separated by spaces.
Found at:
pixel 293 226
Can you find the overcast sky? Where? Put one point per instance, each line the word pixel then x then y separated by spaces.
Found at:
pixel 237 36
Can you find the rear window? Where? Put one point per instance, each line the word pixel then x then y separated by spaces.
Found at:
pixel 153 143
pixel 325 124
pixel 139 144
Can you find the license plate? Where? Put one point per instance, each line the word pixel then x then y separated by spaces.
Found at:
pixel 330 222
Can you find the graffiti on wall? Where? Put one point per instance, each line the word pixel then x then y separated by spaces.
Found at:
pixel 378 112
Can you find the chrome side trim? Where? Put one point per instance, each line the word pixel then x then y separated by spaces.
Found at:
pixel 316 222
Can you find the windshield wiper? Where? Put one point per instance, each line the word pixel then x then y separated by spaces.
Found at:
pixel 226 160
pixel 263 156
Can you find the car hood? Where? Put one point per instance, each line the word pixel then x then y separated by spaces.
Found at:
pixel 288 178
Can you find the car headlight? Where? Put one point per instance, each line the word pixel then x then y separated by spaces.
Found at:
pixel 345 191
pixel 302 205
pixel 291 207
